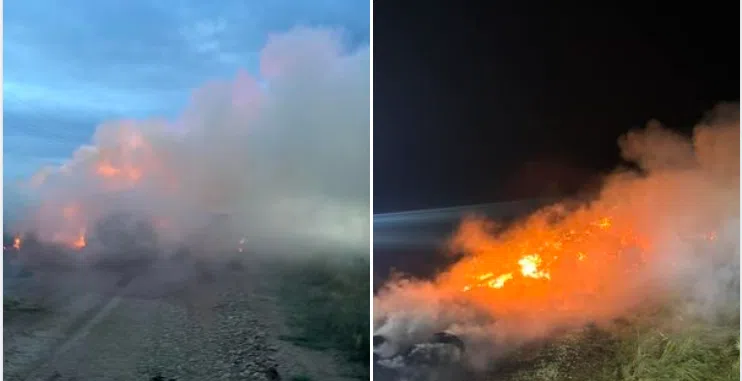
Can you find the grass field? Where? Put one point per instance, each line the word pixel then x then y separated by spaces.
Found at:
pixel 329 303
pixel 649 347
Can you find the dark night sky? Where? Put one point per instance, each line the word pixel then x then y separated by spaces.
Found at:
pixel 483 104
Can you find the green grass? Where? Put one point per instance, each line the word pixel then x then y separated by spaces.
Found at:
pixel 646 348
pixel 328 301
pixel 11 305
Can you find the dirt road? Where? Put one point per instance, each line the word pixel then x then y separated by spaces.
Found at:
pixel 226 326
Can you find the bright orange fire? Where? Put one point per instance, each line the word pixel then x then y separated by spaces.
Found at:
pixel 17 243
pixel 565 265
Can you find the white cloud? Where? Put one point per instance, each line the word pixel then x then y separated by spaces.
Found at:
pixel 205 37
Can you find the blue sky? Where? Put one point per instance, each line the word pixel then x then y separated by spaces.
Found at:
pixel 69 67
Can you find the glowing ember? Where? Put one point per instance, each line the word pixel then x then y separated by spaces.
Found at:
pixel 500 280
pixel 604 223
pixel 529 267
pixel 80 242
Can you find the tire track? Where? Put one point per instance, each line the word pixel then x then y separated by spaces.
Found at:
pixel 88 310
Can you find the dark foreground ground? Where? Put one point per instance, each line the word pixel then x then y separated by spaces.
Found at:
pixel 259 320
pixel 650 346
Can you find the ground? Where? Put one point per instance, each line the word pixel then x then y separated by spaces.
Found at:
pixel 657 344
pixel 237 325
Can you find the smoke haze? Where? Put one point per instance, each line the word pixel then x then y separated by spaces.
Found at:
pixel 668 231
pixel 280 159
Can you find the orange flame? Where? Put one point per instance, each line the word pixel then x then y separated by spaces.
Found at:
pixel 529 267
pixel 80 242
pixel 73 233
pixel 122 161
pixel 560 266
pixel 17 243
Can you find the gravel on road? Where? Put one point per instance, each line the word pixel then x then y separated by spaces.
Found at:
pixel 225 328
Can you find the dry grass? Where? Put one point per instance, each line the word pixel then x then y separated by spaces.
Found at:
pixel 647 348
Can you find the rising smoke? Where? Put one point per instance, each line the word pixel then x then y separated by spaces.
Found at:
pixel 665 231
pixel 279 160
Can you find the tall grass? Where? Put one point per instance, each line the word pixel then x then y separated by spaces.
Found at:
pixel 646 348
pixel 699 352
pixel 329 303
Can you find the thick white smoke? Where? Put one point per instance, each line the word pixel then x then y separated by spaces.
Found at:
pixel 280 158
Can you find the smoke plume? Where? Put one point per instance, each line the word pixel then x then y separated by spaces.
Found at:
pixel 667 231
pixel 275 162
